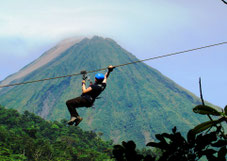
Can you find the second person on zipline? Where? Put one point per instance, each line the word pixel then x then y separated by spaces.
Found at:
pixel 88 96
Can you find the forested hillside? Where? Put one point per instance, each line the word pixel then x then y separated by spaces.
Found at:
pixel 29 137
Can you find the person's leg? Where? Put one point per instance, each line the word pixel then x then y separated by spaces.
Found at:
pixel 72 105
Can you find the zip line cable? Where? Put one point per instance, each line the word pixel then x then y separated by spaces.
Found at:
pixel 120 65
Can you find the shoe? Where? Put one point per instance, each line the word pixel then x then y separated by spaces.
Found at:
pixel 78 120
pixel 72 120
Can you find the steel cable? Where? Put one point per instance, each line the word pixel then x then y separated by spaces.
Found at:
pixel 120 65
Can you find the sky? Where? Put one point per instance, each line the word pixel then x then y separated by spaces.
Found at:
pixel 145 28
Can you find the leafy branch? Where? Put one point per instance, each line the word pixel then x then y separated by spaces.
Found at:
pixel 207 110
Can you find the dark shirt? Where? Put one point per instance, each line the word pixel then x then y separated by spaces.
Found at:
pixel 95 92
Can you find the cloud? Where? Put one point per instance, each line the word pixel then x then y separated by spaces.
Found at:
pixel 54 19
pixel 51 20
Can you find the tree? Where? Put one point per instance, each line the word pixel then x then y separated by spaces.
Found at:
pixel 207 139
pixel 29 137
pixel 127 152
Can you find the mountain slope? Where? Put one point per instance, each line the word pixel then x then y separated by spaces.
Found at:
pixel 137 103
pixel 44 59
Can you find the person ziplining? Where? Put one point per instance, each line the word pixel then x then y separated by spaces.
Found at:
pixel 88 95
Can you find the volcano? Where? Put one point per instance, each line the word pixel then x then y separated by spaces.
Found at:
pixel 138 102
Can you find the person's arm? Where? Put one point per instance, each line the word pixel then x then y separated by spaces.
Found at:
pixel 110 69
pixel 84 89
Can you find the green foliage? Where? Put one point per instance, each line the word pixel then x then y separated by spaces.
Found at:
pixel 174 147
pixel 29 137
pixel 204 126
pixel 207 110
pixel 127 152
pixel 225 109
pixel 200 143
pixel 7 155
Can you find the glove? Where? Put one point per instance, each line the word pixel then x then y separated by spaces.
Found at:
pixel 84 72
pixel 110 68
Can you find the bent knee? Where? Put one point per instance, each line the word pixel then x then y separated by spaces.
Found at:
pixel 67 103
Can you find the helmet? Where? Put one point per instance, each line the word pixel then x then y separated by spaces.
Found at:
pixel 99 77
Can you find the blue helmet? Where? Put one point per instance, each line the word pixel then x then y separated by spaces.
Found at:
pixel 99 77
